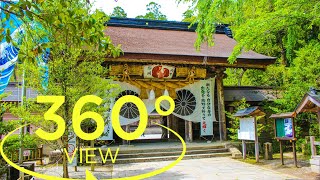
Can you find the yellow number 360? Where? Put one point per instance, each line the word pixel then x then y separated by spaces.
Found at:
pixel 77 117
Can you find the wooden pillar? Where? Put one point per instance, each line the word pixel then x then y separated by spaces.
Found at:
pixel 164 131
pixel 174 126
pixel 294 154
pixel 281 152
pixel 221 105
pixel 256 141
pixel 91 158
pixel 244 150
pixel 313 147
pixel 127 129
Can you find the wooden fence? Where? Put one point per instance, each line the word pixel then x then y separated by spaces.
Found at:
pixel 313 144
pixel 29 154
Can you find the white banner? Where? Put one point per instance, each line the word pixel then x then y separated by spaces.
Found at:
pixel 148 103
pixel 207 113
pixel 108 132
pixel 188 104
pixel 158 71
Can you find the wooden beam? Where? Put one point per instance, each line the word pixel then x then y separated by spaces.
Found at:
pixel 197 60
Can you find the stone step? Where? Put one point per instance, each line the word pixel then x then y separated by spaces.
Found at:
pixel 171 153
pixel 166 158
pixel 161 149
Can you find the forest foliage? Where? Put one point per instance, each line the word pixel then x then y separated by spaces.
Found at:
pixel 286 30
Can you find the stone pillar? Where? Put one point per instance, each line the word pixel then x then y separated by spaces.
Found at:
pixel 190 133
pixel 186 131
pixel 268 152
pixel 221 105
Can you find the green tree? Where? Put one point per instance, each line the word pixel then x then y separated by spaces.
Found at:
pixel 275 28
pixel 118 12
pixel 235 121
pixel 78 47
pixel 153 12
pixel 188 16
pixel 287 30
pixel 303 74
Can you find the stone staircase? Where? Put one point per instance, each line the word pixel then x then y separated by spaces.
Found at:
pixel 126 156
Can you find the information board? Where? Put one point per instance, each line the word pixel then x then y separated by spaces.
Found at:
pixel 284 128
pixel 71 148
pixel 247 129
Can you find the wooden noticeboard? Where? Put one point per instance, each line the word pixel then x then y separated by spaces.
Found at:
pixel 248 128
pixel 284 130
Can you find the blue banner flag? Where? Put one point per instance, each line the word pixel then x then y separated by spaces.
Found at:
pixel 9 53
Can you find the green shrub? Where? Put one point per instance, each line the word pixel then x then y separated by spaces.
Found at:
pixel 13 142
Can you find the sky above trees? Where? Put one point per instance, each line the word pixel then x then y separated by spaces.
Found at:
pixel 170 8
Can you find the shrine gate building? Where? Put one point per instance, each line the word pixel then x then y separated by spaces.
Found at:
pixel 159 58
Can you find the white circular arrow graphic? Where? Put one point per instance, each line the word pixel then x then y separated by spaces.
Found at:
pixel 89 175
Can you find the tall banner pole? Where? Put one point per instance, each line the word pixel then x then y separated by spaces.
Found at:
pixel 22 129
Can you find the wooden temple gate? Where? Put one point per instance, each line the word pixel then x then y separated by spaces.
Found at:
pixel 160 56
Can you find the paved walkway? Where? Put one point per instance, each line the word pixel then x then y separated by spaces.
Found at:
pixel 203 169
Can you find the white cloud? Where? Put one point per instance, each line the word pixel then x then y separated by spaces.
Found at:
pixel 133 8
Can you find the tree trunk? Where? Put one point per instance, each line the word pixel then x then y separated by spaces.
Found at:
pixel 240 77
pixel 64 158
pixel 283 52
pixel 221 105
pixel 91 158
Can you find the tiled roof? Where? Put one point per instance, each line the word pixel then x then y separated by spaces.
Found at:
pixel 250 111
pixel 310 102
pixel 251 94
pixel 15 90
pixel 172 42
